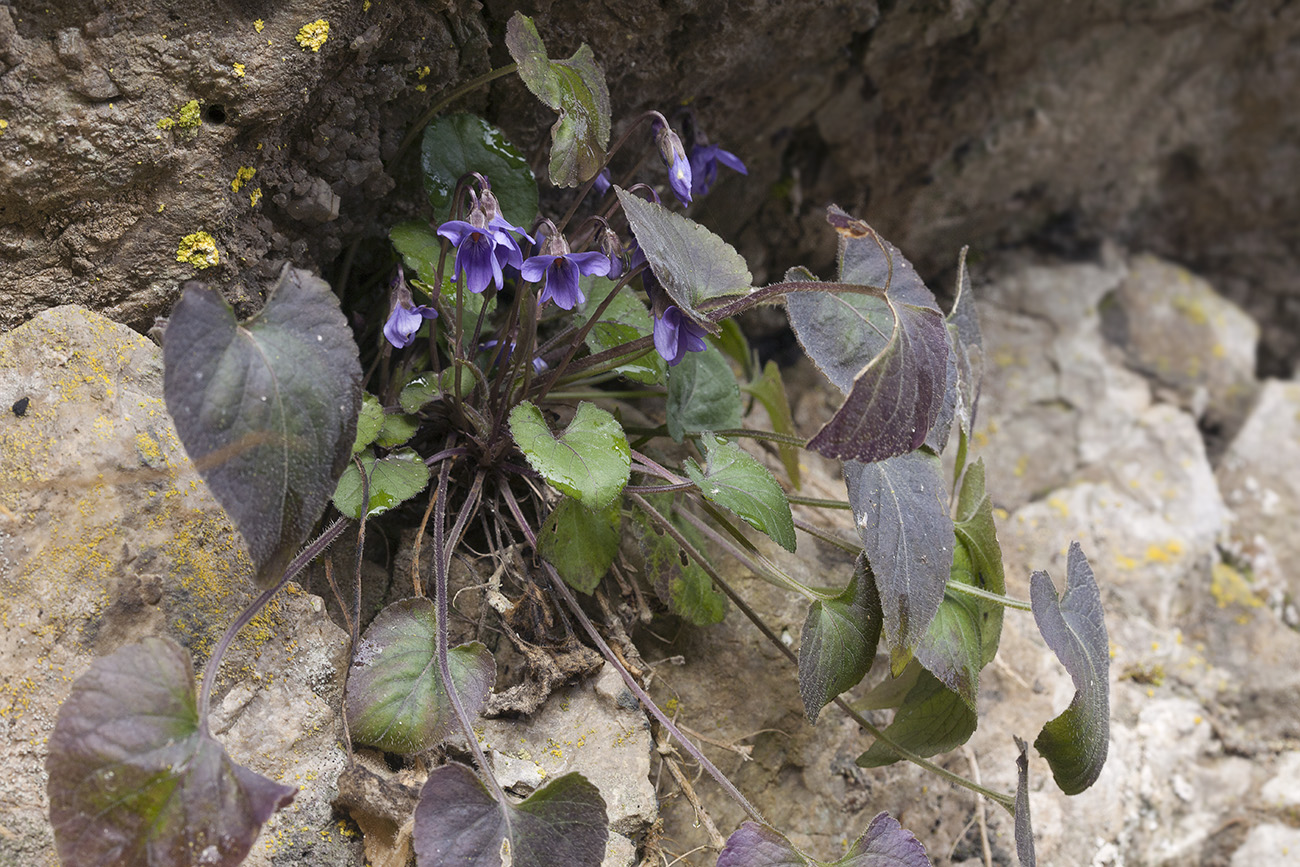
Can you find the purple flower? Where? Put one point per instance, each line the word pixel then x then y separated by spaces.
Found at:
pixel 704 161
pixel 559 275
pixel 404 316
pixel 674 156
pixel 602 183
pixel 676 335
pixel 484 243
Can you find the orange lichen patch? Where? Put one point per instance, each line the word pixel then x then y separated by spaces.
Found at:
pixel 312 36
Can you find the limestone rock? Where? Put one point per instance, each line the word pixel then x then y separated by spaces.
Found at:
pixel 595 728
pixel 108 535
pixel 1260 479
pixel 1175 329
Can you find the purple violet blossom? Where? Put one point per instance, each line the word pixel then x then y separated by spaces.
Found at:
pixel 602 182
pixel 677 334
pixel 559 276
pixel 557 270
pixel 404 316
pixel 484 244
pixel 704 161
pixel 674 156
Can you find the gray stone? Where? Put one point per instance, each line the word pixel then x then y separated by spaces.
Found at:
pixel 1260 479
pixel 1268 843
pixel 108 535
pixel 587 728
pixel 1283 790
pixel 1052 399
pixel 1193 343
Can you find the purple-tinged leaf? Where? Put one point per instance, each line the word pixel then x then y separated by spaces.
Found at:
pixel 1024 828
pixel 267 409
pixel 135 782
pixel 755 845
pixel 1076 742
pixel 457 821
pixel 691 263
pixel 901 511
pixel 886 350
pixel 933 719
pixel 937 439
pixel 897 397
pixel 576 89
pixel 885 843
pixel 396 698
pixel 838 642
pixel 963 636
pixel 734 479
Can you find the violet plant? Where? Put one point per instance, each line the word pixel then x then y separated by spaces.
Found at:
pixel 512 352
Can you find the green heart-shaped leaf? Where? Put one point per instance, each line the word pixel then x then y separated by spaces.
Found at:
pixel 580 543
pixel 590 461
pixel 932 719
pixel 702 395
pixel 456 144
pixel 394 479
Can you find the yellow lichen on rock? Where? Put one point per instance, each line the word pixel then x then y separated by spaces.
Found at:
pixel 239 70
pixel 258 25
pixel 243 176
pixel 188 116
pixel 313 35
pixel 199 249
pixel 4 125
pixel 255 197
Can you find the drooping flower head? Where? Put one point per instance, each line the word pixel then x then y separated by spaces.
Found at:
pixel 612 248
pixel 557 270
pixel 705 159
pixel 677 334
pixel 674 156
pixel 484 243
pixel 404 316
